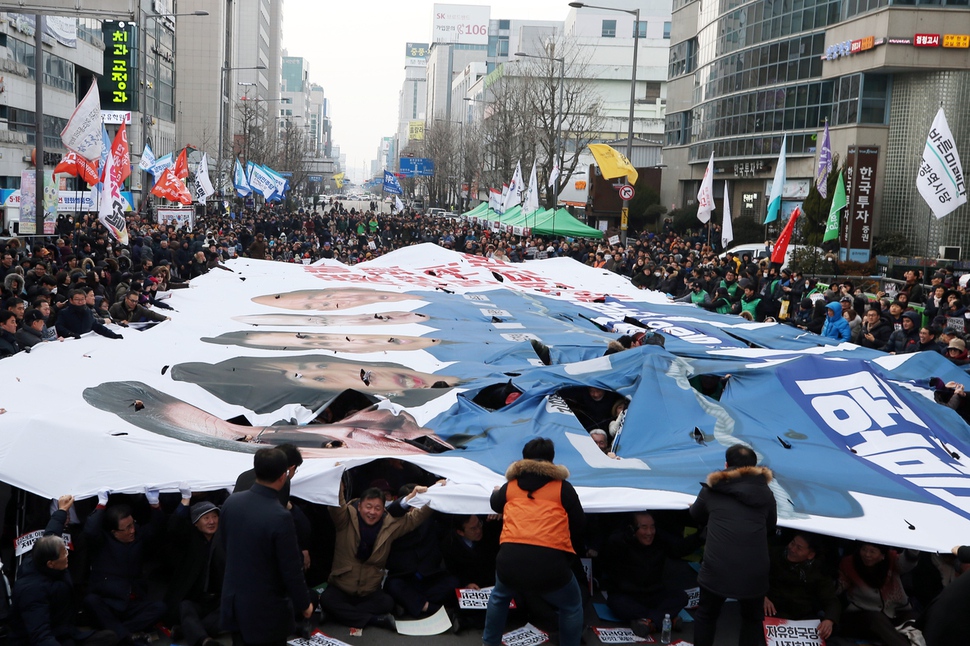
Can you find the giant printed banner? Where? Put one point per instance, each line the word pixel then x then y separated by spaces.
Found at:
pixel 453 362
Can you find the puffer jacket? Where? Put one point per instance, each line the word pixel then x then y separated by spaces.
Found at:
pixel 738 511
pixel 836 327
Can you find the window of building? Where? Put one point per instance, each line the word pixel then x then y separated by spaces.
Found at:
pixel 503 24
pixel 652 91
pixel 23 121
pixel 640 29
pixel 609 29
pixel 667 30
pixel 503 46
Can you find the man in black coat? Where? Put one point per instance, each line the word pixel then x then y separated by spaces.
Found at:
pixel 634 564
pixel 264 587
pixel 738 512
pixel 77 319
pixel 43 611
pixel 195 590
pixel 117 590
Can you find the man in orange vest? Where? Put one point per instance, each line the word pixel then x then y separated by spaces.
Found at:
pixel 541 536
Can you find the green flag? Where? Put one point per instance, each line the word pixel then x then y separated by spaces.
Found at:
pixel 838 203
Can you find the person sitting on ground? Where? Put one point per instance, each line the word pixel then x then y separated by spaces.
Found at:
pixel 835 326
pixel 117 589
pixel 905 339
pixel 43 612
pixel 633 566
pixel 799 589
pixel 195 591
pixel 365 533
pixel 928 340
pixel 956 352
pixel 875 331
pixel 878 603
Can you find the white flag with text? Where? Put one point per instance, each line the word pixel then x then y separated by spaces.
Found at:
pixel 82 134
pixel 203 186
pixel 941 181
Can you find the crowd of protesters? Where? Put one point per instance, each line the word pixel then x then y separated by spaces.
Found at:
pixel 79 281
pixel 128 285
pixel 142 565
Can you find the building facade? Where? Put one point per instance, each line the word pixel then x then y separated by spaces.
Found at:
pixel 743 77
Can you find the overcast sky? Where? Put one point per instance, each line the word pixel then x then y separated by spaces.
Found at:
pixel 356 52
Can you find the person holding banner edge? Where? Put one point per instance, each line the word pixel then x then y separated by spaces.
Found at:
pixel 43 611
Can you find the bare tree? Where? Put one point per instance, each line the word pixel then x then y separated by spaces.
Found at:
pixel 561 126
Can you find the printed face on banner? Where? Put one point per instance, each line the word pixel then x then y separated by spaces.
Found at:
pixel 325 300
pixel 370 431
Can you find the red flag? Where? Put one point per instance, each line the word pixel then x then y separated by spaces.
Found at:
pixel 120 154
pixel 171 188
pixel 182 165
pixel 781 245
pixel 74 164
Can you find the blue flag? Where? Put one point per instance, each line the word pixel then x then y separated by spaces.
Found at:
pixel 391 185
pixel 240 182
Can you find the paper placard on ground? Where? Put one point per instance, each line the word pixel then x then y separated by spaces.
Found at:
pixel 693 597
pixel 469 599
pixel 786 632
pixel 620 636
pixel 527 635
pixel 25 543
pixel 317 639
pixel 436 624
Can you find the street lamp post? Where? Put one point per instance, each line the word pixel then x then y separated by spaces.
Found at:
pixel 558 147
pixel 222 115
pixel 625 214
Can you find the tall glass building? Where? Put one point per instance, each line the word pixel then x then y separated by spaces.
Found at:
pixel 744 75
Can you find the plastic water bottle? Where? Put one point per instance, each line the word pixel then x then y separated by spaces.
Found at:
pixel 665 630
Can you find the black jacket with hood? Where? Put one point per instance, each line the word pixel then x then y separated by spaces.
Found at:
pixel 532 567
pixel 739 512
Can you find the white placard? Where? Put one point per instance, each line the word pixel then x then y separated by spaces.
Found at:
pixel 317 639
pixel 787 632
pixel 614 240
pixel 620 636
pixel 693 597
pixel 25 543
pixel 469 599
pixel 527 635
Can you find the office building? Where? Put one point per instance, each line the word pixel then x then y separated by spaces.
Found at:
pixel 745 76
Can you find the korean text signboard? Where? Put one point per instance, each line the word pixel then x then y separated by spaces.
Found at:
pixel 860 188
pixel 119 83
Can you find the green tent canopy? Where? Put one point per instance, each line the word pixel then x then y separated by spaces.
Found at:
pixel 542 222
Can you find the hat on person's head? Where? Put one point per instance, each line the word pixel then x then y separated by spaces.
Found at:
pixel 200 509
pixel 949 331
pixel 959 344
pixel 806 303
pixel 32 315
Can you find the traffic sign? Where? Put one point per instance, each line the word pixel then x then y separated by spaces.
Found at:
pixel 626 192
